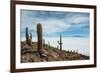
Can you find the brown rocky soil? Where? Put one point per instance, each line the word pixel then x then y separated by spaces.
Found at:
pixel 49 53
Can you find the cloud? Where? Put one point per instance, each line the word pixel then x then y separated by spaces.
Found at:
pixel 54 23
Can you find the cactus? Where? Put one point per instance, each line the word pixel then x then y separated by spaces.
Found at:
pixel 60 42
pixel 30 39
pixel 27 36
pixel 68 51
pixel 57 46
pixel 76 51
pixel 44 43
pixel 39 34
pixel 30 35
pixel 49 44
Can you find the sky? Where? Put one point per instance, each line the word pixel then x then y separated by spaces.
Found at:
pixel 54 23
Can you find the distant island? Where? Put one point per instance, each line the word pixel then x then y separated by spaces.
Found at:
pixel 43 52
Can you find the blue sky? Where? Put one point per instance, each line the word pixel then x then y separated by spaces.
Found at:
pixel 69 24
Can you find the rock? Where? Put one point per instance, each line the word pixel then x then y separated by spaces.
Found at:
pixel 49 53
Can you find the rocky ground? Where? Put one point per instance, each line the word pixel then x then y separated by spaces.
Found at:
pixel 49 53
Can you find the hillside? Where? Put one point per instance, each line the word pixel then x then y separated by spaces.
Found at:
pixel 48 53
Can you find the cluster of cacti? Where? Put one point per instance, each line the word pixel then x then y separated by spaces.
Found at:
pixel 60 42
pixel 41 51
pixel 72 51
pixel 40 36
pixel 28 37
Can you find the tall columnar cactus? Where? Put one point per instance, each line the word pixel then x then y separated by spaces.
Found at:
pixel 77 51
pixel 30 35
pixel 27 36
pixel 44 43
pixel 60 42
pixel 30 39
pixel 49 44
pixel 57 46
pixel 39 35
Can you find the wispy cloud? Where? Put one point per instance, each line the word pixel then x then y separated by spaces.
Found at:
pixel 73 24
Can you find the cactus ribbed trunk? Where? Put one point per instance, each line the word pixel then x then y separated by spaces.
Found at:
pixel 30 39
pixel 60 43
pixel 43 43
pixel 27 36
pixel 39 35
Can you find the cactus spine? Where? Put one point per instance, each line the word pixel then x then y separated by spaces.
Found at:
pixel 39 34
pixel 60 43
pixel 27 36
